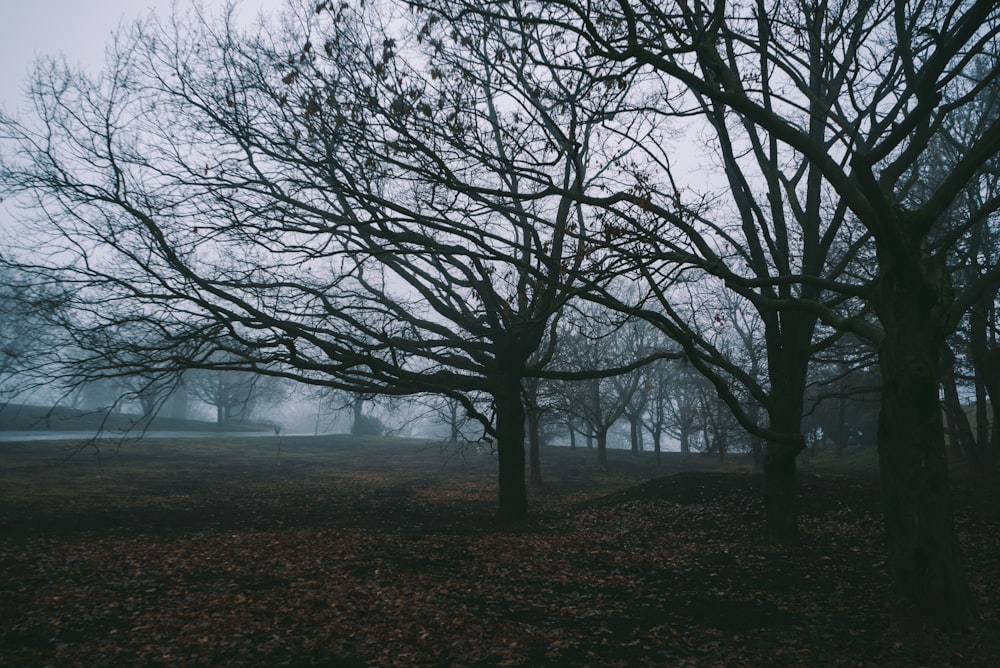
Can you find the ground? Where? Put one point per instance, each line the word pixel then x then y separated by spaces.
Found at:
pixel 351 552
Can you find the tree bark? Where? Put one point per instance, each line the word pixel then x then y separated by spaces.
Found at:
pixel 924 561
pixel 780 511
pixel 841 438
pixel 757 451
pixel 635 435
pixel 534 449
pixel 963 441
pixel 788 341
pixel 986 358
pixel 985 453
pixel 510 450
pixel 602 448
pixel 357 406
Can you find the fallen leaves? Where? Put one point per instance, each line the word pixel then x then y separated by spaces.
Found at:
pixel 294 572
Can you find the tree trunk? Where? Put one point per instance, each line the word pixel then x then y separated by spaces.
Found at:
pixel 510 450
pixel 986 452
pixel 788 340
pixel 924 561
pixel 685 439
pixel 453 423
pixel 780 512
pixel 841 437
pixel 148 405
pixel 572 436
pixel 757 451
pixel 959 428
pixel 534 449
pixel 635 435
pixel 785 417
pixel 602 448
pixel 719 444
pixel 657 438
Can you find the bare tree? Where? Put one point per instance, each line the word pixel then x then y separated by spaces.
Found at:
pixel 29 316
pixel 235 395
pixel 850 95
pixel 370 202
pixel 589 343
pixel 822 114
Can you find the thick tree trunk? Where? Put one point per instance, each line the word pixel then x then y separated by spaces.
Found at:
pixel 780 508
pixel 510 451
pixel 602 448
pixel 685 440
pixel 784 417
pixel 534 450
pixel 657 438
pixel 924 561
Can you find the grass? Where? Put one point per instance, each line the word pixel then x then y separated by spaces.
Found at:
pixel 41 471
pixel 359 551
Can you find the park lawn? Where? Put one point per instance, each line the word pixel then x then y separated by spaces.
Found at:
pixel 344 551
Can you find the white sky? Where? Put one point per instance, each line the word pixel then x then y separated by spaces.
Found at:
pixel 78 29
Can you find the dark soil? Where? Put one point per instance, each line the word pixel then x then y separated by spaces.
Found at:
pixel 324 561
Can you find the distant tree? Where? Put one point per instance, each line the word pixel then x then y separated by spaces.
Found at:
pixel 587 342
pixel 677 400
pixel 30 313
pixel 234 394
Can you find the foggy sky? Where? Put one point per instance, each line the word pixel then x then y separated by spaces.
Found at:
pixel 78 29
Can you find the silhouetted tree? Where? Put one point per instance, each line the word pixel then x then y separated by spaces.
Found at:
pixel 370 203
